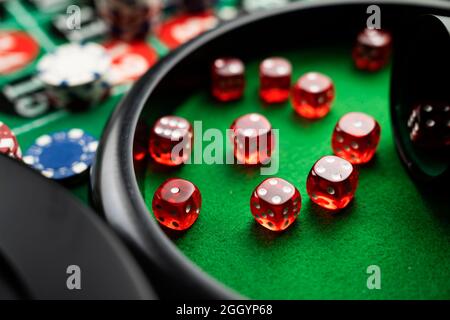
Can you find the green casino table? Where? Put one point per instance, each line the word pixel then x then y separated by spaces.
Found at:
pixel 390 223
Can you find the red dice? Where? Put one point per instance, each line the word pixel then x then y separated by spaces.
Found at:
pixel 252 138
pixel 177 203
pixel 372 49
pixel 313 95
pixel 228 81
pixel 429 125
pixel 332 182
pixel 355 137
pixel 275 204
pixel 8 142
pixel 275 80
pixel 171 141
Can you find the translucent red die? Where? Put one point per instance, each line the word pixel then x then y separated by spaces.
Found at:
pixel 372 49
pixel 275 204
pixel 332 182
pixel 312 95
pixel 252 139
pixel 355 137
pixel 171 140
pixel 228 80
pixel 275 80
pixel 177 203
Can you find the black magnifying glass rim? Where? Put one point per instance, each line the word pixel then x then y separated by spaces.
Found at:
pixel 115 188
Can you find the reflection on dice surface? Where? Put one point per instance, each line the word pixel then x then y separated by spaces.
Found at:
pixel 275 204
pixel 429 125
pixel 372 49
pixel 171 140
pixel 313 95
pixel 228 81
pixel 332 182
pixel 355 137
pixel 275 80
pixel 252 138
pixel 177 203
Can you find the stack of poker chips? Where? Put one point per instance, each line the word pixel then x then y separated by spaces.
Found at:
pixel 75 75
pixel 130 19
pixel 64 156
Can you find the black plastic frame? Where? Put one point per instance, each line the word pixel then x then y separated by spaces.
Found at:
pixel 44 229
pixel 115 187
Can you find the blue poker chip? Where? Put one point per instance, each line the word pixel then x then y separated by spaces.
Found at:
pixel 62 155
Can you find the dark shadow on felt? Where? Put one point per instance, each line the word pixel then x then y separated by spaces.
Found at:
pixel 210 100
pixel 273 106
pixel 174 234
pixel 437 199
pixel 326 217
pixel 159 169
pixel 369 165
pixel 303 122
pixel 244 169
pixel 267 237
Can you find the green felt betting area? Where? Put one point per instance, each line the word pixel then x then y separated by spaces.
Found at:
pixel 321 255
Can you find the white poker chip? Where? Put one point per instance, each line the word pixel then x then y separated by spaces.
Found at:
pixel 74 65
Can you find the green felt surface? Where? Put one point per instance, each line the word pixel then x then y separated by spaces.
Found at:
pixel 321 255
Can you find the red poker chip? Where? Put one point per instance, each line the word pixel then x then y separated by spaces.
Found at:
pixel 130 60
pixel 183 28
pixel 17 49
pixel 8 142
